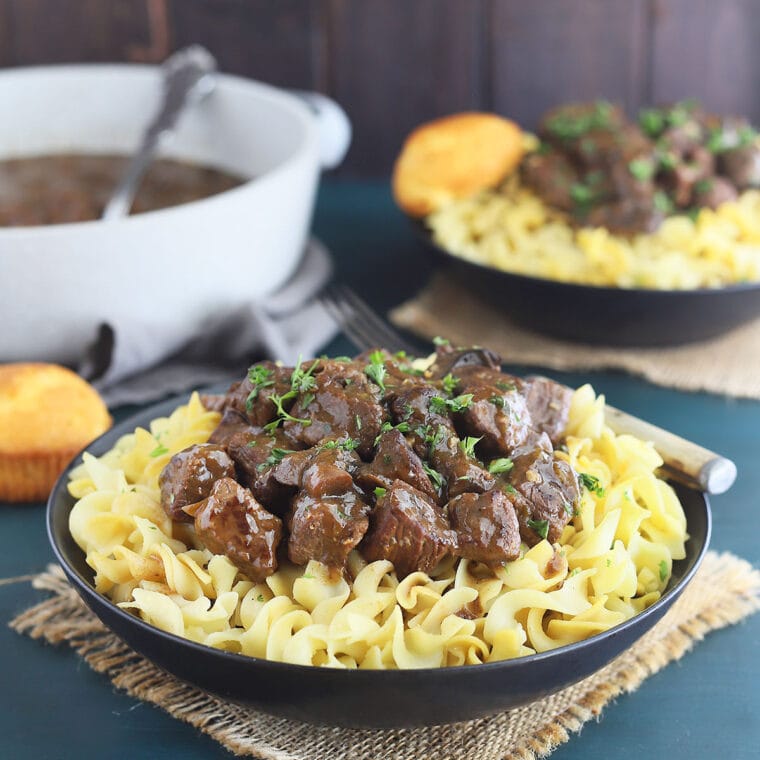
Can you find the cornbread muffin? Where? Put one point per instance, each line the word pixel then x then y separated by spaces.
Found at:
pixel 47 414
pixel 454 157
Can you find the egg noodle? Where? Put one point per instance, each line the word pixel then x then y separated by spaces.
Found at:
pixel 514 230
pixel 613 560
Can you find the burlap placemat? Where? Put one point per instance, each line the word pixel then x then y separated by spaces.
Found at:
pixel 727 365
pixel 725 590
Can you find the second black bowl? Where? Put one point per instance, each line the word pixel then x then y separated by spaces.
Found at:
pixel 604 316
pixel 363 698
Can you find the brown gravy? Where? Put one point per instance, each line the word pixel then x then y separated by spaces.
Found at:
pixel 60 189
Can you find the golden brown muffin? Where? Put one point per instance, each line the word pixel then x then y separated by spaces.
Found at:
pixel 47 414
pixel 454 157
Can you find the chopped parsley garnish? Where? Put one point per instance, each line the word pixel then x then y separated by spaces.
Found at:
pixel 497 466
pixel 581 194
pixel 435 477
pixel 652 121
pixel 503 386
pixel 439 341
pixel 662 202
pixel 591 483
pixel 509 488
pixel 375 370
pixel 380 492
pixel 541 527
pixel 358 421
pixel 402 427
pixel 346 444
pixel 468 445
pixel 497 401
pixel 259 377
pixel 663 570
pixel 159 450
pixel 457 404
pixel 703 185
pixel 567 126
pixel 308 576
pixel 260 598
pixel 251 444
pixel 301 381
pixel 641 168
pixel 274 458
pixel 450 383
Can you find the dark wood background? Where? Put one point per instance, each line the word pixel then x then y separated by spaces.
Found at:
pixel 395 63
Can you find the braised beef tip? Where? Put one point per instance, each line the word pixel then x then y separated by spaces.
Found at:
pixel 328 516
pixel 742 166
pixel 409 530
pixel 545 493
pixel 413 407
pixel 232 422
pixel 214 402
pixel 459 473
pixel 343 402
pixel 231 522
pixel 190 475
pixel 449 358
pixel 486 527
pixel 549 406
pixel 395 460
pixel 251 396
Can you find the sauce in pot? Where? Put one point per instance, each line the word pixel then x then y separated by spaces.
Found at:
pixel 60 189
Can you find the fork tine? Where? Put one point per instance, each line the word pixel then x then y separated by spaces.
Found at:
pixel 363 326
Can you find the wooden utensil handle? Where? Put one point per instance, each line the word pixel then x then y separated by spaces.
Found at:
pixel 684 461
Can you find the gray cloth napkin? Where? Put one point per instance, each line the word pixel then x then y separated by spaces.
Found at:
pixel 134 364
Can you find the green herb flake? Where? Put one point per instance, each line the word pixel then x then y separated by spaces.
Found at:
pixel 505 386
pixel 541 527
pixel 663 570
pixel 346 444
pixel 358 421
pixel 450 383
pixel 259 377
pixel 609 562
pixel 498 466
pixel 591 483
pixel 457 404
pixel 439 341
pixel 275 457
pixel 651 121
pixel 435 477
pixel 308 576
pixel 468 445
pixel 581 194
pixel 260 598
pixel 160 450
pixel 662 202
pixel 497 401
pixel 251 444
pixel 642 169
pixel 375 370
pixel 509 488
pixel 380 492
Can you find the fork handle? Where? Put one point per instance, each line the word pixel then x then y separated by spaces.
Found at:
pixel 684 461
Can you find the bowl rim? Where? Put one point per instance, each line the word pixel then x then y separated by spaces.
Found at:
pixel 425 235
pixel 281 98
pixel 85 589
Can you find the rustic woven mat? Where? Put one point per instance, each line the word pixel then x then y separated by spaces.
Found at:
pixel 725 590
pixel 726 365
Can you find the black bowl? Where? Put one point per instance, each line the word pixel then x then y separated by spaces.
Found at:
pixel 361 698
pixel 604 316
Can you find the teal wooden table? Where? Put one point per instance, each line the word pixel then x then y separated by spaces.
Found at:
pixel 706 706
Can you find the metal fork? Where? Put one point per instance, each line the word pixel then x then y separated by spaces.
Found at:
pixel 684 461
pixel 360 323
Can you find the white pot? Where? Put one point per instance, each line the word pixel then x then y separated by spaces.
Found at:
pixel 171 269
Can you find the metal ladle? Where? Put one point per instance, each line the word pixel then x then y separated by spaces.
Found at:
pixel 189 76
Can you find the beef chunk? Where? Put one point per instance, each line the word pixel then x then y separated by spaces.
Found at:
pixel 342 403
pixel 232 422
pixel 742 166
pixel 499 417
pixel 545 493
pixel 395 460
pixel 231 522
pixel 460 473
pixel 214 402
pixel 486 527
pixel 448 359
pixel 412 405
pixel 326 529
pixel 409 530
pixel 549 406
pixel 626 216
pixel 190 475
pixel 251 396
pixel 552 176
pixel 714 191
pixel 328 517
